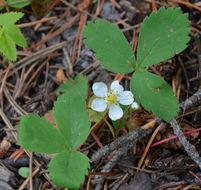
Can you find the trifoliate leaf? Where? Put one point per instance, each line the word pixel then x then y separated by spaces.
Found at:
pixel 8 47
pixel 162 35
pixel 18 3
pixel 110 46
pixel 24 172
pixel 155 94
pixel 68 169
pixel 71 116
pixel 70 85
pixel 10 18
pixel 39 135
pixel 15 34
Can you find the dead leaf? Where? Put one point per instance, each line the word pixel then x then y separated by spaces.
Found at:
pixel 61 76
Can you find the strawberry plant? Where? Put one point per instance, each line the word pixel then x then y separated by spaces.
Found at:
pixel 68 167
pixel 162 35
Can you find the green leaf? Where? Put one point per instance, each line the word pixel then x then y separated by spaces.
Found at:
pixel 10 35
pixel 39 135
pixel 67 169
pixel 24 172
pixel 155 94
pixel 15 34
pixel 8 47
pixel 162 35
pixel 10 18
pixel 18 3
pixel 71 116
pixel 110 46
pixel 119 124
pixel 70 85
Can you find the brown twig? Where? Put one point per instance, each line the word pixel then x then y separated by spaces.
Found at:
pixel 186 4
pixel 30 59
pixel 36 22
pixel 190 149
pixel 148 146
pixel 57 32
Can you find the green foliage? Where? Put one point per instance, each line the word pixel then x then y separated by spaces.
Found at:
pixel 24 172
pixel 72 85
pixel 30 138
pixel 110 45
pixel 155 94
pixel 71 116
pixel 10 35
pixel 16 3
pixel 68 167
pixel 10 18
pixel 162 35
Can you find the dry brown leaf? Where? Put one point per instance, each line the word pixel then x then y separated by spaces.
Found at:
pixel 4 147
pixel 50 117
pixel 61 76
pixel 3 3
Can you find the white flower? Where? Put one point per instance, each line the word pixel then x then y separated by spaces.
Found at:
pixel 111 98
pixel 135 106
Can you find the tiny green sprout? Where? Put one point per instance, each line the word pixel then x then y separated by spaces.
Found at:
pixel 24 172
pixel 68 167
pixel 162 35
pixel 10 35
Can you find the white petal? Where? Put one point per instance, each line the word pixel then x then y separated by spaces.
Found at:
pixel 126 98
pixel 135 106
pixel 98 105
pixel 99 89
pixel 115 112
pixel 116 87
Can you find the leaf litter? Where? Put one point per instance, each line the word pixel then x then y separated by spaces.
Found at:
pixel 170 164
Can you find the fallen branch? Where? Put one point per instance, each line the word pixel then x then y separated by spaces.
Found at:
pixel 124 143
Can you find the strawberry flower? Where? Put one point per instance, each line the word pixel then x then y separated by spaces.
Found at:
pixel 111 98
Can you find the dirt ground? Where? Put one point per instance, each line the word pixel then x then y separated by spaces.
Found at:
pixel 56 53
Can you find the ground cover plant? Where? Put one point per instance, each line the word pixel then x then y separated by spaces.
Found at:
pixel 162 35
pixel 70 109
pixel 70 132
pixel 10 35
pixel 64 127
pixel 14 3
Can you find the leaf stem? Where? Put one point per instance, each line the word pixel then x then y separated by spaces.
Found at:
pixel 110 126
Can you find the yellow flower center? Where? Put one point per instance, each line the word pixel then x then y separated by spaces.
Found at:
pixel 111 98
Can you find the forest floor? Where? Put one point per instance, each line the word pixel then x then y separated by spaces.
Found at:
pixel 56 53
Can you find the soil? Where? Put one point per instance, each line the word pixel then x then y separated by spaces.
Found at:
pixel 31 82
